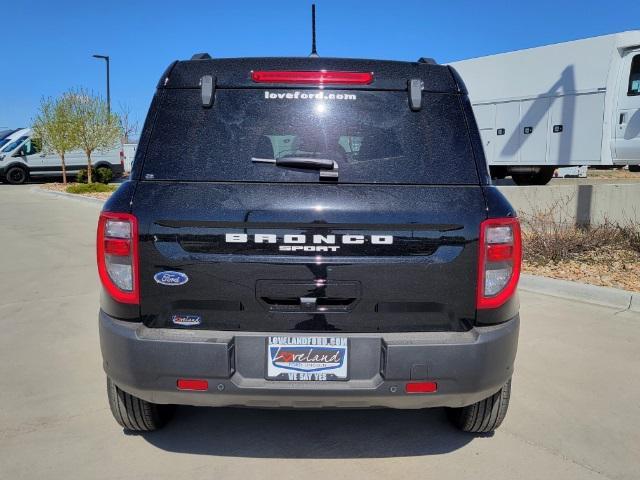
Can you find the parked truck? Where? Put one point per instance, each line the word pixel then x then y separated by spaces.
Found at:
pixel 568 104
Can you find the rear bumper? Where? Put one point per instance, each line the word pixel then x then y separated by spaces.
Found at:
pixel 467 366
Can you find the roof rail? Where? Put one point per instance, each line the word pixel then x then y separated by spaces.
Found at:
pixel 427 60
pixel 201 56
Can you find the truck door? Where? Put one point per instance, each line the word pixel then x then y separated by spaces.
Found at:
pixel 627 131
pixel 575 129
pixel 486 119
pixel 507 137
pixel 30 153
pixel 533 127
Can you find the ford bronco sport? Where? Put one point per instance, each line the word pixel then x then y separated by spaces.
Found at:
pixel 308 233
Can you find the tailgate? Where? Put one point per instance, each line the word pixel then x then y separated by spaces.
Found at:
pixel 308 257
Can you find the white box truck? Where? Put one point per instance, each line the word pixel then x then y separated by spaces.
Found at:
pixel 568 104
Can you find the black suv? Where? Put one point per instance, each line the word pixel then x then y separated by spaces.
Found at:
pixel 309 232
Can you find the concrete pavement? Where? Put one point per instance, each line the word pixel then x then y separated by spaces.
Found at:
pixel 574 415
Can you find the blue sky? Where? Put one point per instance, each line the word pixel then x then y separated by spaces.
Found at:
pixel 47 45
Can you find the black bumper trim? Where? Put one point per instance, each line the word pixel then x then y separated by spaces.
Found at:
pixel 468 366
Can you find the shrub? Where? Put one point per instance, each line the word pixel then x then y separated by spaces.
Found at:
pixel 631 234
pixel 82 176
pixel 553 242
pixel 548 235
pixel 90 188
pixel 104 175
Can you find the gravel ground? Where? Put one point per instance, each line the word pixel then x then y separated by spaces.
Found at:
pixel 607 267
pixel 621 173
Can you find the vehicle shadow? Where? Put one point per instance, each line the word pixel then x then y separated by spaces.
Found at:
pixel 309 434
pixel 35 181
pixel 42 180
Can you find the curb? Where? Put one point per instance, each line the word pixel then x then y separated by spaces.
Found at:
pixel 583 292
pixel 72 196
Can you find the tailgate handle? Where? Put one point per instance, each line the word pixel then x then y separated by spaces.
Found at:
pixel 308 296
pixel 309 304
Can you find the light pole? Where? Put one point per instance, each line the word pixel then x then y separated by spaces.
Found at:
pixel 106 58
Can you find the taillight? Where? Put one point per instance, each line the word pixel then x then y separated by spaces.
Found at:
pixel 122 157
pixel 322 77
pixel 117 248
pixel 498 261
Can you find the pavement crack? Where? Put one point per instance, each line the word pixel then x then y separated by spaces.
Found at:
pixel 627 308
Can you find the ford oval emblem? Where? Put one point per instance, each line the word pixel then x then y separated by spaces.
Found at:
pixel 171 278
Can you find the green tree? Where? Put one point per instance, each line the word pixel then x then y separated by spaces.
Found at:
pixel 97 129
pixel 54 126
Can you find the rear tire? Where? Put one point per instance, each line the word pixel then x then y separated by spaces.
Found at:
pixel 634 168
pixel 16 175
pixel 135 414
pixel 484 416
pixel 541 177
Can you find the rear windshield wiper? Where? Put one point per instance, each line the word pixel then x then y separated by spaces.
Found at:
pixel 328 168
pixel 299 162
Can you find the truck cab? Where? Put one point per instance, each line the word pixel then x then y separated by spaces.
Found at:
pixel 626 143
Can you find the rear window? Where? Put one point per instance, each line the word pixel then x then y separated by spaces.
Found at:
pixel 373 136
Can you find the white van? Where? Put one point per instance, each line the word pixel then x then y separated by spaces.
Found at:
pixel 568 104
pixel 22 157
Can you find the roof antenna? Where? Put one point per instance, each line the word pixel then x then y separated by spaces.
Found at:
pixel 314 52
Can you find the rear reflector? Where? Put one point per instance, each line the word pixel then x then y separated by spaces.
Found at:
pixel 119 247
pixel 421 387
pixel 498 253
pixel 192 384
pixel 321 77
